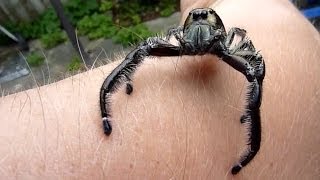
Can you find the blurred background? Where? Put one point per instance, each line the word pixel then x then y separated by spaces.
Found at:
pixel 43 41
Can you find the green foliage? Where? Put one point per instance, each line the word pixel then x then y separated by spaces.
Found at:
pixel 167 7
pixel 133 12
pixel 76 9
pixel 24 28
pixel 34 59
pixel 134 34
pixel 47 23
pixel 97 26
pixel 75 64
pixel 105 5
pixel 46 28
pixel 53 39
pixel 129 13
pixel 167 11
pixel 85 15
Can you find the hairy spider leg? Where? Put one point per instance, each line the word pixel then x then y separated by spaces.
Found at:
pixel 250 63
pixel 124 71
pixel 173 31
pixel 232 32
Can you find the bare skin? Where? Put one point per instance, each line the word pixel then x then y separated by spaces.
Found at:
pixel 182 119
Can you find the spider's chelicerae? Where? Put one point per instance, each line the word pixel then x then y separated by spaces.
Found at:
pixel 202 33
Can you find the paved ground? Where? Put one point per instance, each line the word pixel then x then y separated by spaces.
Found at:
pixel 15 75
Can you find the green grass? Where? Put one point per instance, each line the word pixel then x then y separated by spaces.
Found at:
pixel 75 64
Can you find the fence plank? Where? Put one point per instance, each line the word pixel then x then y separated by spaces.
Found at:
pixel 22 10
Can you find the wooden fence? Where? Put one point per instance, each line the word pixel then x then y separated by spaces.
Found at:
pixel 17 10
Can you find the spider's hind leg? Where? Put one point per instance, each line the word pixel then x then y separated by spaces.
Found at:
pixel 246 60
pixel 251 116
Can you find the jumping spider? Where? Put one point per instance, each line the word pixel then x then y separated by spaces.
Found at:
pixel 202 33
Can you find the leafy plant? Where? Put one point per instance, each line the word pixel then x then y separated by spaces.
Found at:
pixel 34 59
pixel 134 34
pixel 47 23
pixel 167 11
pixel 167 7
pixel 75 64
pixel 97 26
pixel 53 39
pixel 106 5
pixel 128 13
pixel 77 9
pixel 47 26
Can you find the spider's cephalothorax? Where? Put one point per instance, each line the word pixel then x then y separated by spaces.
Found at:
pixel 203 33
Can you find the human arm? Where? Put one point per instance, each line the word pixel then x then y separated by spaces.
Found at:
pixel 182 120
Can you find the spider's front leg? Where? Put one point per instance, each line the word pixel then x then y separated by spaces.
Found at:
pixel 176 32
pixel 232 32
pixel 124 71
pixel 246 60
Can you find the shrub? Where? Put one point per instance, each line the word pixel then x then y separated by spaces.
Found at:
pixel 134 34
pixel 97 26
pixel 34 59
pixel 167 7
pixel 105 5
pixel 53 39
pixel 47 26
pixel 167 11
pixel 76 9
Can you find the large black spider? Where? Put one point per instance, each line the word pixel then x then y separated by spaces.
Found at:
pixel 203 33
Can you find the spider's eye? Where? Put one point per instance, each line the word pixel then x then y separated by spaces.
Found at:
pixel 211 11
